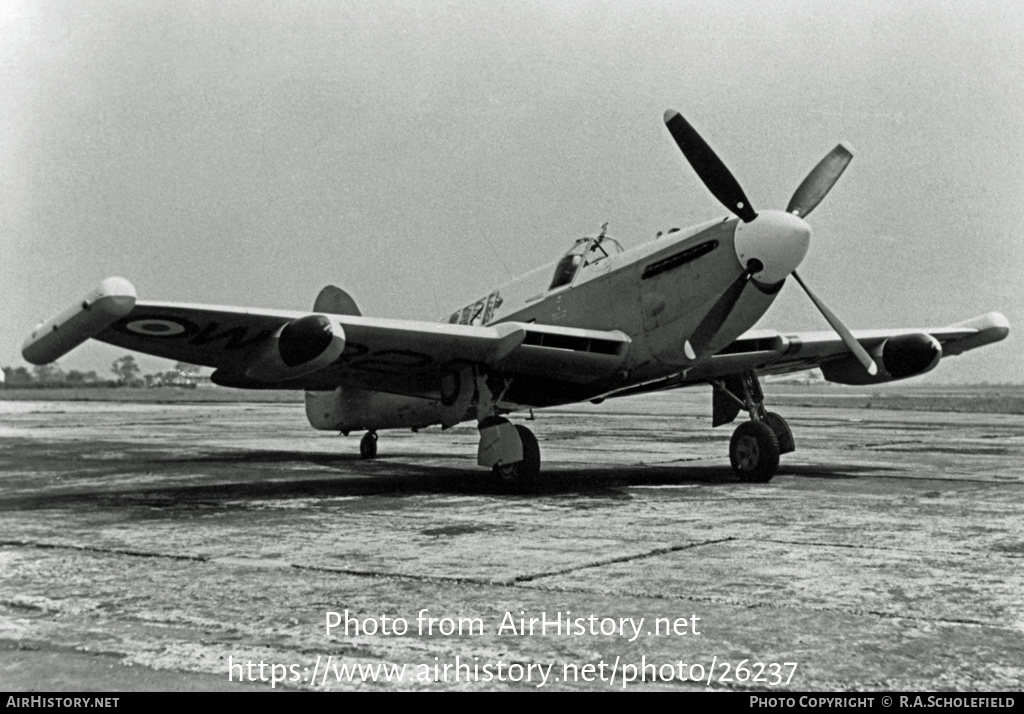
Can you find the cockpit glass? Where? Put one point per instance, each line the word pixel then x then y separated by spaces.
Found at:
pixel 601 249
pixel 586 251
pixel 566 269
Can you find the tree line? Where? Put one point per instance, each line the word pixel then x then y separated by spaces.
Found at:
pixel 126 371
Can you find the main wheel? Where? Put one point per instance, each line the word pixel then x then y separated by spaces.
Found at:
pixel 521 476
pixel 782 432
pixel 754 452
pixel 368 445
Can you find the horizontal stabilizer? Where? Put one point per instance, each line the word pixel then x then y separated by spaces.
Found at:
pixel 335 301
pixel 51 340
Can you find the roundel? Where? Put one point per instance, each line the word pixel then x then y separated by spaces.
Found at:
pixel 156 327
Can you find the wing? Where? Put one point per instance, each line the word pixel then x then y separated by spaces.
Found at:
pixel 900 353
pixel 277 349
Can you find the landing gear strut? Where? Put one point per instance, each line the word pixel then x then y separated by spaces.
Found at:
pixel 368 445
pixel 756 444
pixel 510 450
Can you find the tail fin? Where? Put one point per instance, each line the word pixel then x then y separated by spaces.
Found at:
pixel 335 301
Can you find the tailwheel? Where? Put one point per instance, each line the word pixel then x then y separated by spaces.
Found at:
pixel 368 445
pixel 754 452
pixel 520 476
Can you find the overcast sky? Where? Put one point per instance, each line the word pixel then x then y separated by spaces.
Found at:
pixel 418 153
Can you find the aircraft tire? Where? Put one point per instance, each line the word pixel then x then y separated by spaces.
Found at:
pixel 368 445
pixel 782 432
pixel 520 476
pixel 754 452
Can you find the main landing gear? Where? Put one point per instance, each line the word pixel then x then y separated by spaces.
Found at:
pixel 756 445
pixel 511 450
pixel 368 445
pixel 512 453
pixel 520 476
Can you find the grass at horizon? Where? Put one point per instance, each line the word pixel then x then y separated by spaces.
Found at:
pixel 990 399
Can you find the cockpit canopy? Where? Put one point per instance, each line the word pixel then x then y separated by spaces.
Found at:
pixel 584 252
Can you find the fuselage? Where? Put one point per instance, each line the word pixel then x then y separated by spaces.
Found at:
pixel 657 293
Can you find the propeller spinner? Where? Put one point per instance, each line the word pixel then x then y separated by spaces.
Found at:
pixel 770 245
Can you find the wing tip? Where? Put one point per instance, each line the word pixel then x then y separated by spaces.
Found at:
pixel 117 286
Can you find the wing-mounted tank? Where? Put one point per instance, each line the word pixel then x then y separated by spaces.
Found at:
pixel 349 408
pixel 298 348
pixel 897 357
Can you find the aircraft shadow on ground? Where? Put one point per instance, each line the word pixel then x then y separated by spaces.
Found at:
pixel 379 478
pixel 837 472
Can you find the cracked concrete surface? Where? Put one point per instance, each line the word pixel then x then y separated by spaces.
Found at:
pixel 147 546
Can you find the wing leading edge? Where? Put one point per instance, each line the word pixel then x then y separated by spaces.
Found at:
pixel 250 348
pixel 901 353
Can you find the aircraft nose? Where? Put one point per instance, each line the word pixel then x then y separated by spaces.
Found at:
pixel 777 240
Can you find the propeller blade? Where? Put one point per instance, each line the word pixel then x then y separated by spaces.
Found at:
pixel 705 331
pixel 710 169
pixel 820 181
pixel 855 347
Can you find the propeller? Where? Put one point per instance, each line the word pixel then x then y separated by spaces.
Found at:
pixel 859 352
pixel 820 181
pixel 724 186
pixel 709 167
pixel 716 317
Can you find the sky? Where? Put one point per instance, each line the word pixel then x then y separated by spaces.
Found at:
pixel 419 153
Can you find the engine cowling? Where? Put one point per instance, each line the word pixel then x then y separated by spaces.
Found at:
pixel 897 358
pixel 298 348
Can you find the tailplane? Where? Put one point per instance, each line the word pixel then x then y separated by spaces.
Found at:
pixel 335 301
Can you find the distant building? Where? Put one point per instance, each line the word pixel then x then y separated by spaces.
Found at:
pixel 810 376
pixel 186 378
